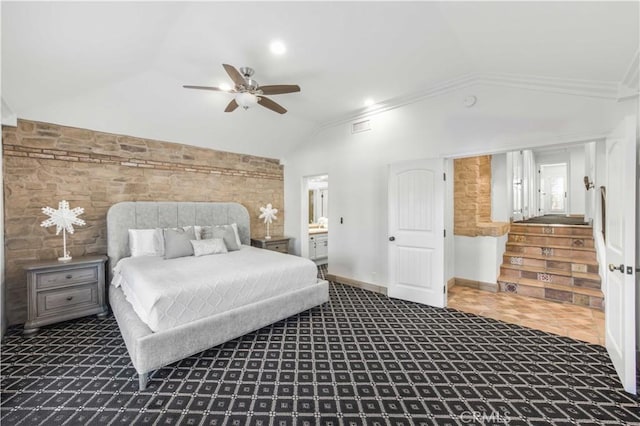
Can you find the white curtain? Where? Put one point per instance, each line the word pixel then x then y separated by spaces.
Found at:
pixel 524 184
pixel 515 158
pixel 529 185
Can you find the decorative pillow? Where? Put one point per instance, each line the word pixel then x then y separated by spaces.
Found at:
pixel 145 242
pixel 225 232
pixel 210 246
pixel 235 229
pixel 196 229
pixel 177 243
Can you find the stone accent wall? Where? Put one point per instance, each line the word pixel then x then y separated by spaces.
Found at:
pixel 45 163
pixel 472 198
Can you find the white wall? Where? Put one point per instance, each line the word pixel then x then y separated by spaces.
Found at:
pixel 503 119
pixel 590 171
pixel 479 258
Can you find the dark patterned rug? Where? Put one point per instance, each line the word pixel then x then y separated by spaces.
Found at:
pixel 360 359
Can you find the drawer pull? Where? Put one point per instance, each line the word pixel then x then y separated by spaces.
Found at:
pixel 69 299
pixel 69 276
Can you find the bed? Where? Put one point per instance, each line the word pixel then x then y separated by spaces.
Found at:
pixel 161 338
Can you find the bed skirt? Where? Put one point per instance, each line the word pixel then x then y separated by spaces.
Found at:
pixel 150 351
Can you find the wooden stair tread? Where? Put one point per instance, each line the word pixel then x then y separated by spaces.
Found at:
pixel 540 284
pixel 558 236
pixel 551 225
pixel 530 268
pixel 521 244
pixel 573 289
pixel 551 258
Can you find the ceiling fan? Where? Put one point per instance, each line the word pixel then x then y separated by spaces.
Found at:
pixel 248 92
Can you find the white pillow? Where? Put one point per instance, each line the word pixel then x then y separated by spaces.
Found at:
pixel 146 242
pixel 210 246
pixel 235 230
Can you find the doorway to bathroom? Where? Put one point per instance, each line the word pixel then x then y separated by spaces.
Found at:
pixel 315 213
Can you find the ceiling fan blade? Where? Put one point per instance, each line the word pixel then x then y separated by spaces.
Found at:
pixel 278 89
pixel 234 74
pixel 268 103
pixel 213 88
pixel 231 106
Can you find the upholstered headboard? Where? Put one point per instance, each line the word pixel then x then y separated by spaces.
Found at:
pixel 149 214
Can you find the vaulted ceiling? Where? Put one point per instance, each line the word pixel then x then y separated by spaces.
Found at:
pixel 120 66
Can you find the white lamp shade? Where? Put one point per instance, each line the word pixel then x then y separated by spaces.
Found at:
pixel 246 99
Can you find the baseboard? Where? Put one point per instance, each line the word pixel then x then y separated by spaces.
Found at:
pixel 359 284
pixel 493 288
pixel 451 283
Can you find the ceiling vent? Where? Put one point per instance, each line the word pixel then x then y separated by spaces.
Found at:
pixel 361 126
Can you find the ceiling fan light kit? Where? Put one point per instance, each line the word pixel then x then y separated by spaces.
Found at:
pixel 248 92
pixel 246 99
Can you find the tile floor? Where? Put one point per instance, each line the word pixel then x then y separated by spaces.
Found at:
pixel 578 322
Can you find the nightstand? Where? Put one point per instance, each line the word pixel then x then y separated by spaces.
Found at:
pixel 280 244
pixel 58 291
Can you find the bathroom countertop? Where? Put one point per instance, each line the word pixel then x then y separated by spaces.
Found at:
pixel 316 231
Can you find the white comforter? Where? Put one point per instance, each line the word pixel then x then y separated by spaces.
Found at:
pixel 169 293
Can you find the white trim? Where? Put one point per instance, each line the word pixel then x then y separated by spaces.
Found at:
pixel 517 144
pixel 629 85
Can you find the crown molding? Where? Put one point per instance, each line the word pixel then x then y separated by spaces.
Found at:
pixel 9 118
pixel 511 144
pixel 629 86
pixel 397 102
pixel 567 86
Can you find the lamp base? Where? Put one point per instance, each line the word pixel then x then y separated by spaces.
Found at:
pixel 268 237
pixel 64 258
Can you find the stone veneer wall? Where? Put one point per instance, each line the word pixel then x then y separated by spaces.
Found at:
pixel 472 198
pixel 45 163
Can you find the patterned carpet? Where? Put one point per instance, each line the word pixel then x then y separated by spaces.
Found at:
pixel 360 359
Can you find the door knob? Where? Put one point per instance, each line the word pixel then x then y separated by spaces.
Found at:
pixel 392 238
pixel 613 267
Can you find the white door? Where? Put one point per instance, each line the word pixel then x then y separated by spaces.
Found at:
pixel 619 292
pixel 416 232
pixel 553 188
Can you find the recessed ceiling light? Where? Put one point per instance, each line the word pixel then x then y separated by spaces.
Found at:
pixel 225 86
pixel 368 102
pixel 277 47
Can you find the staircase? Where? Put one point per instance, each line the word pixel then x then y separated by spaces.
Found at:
pixel 552 262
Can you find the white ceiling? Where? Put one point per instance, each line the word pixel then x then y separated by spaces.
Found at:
pixel 119 67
